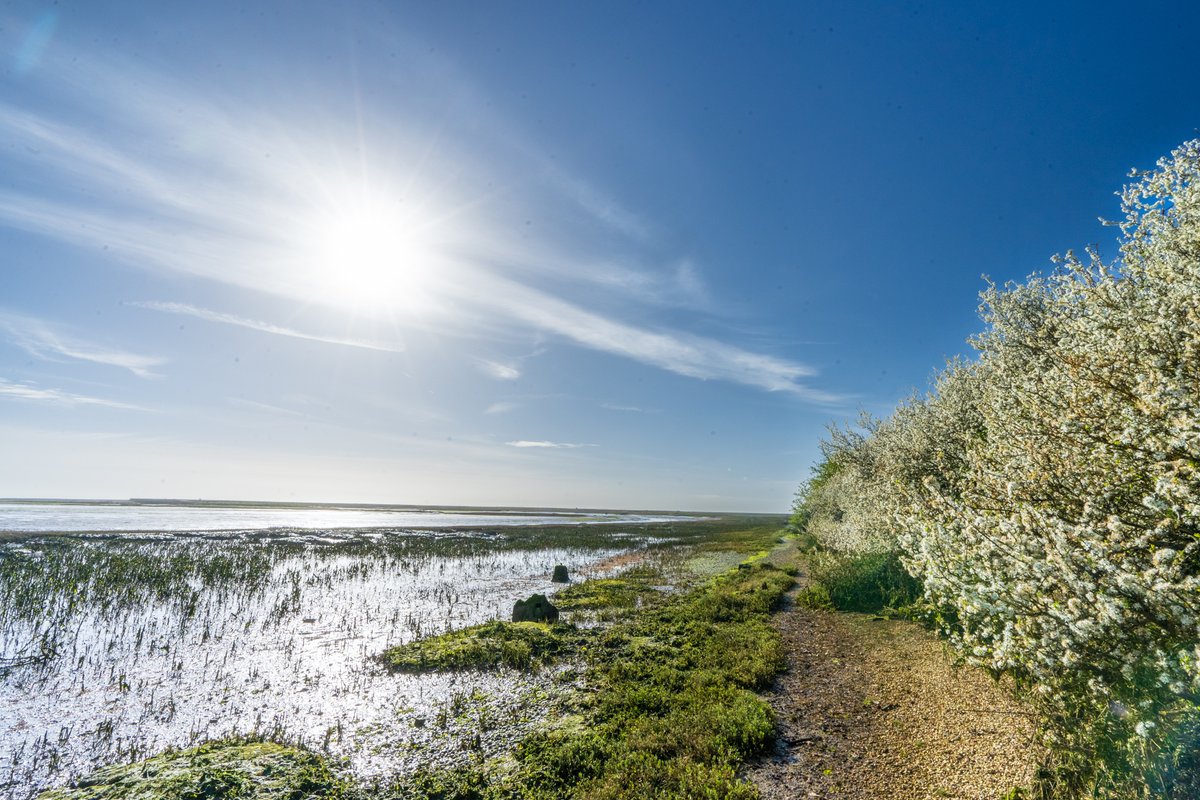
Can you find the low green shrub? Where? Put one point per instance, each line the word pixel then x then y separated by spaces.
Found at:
pixel 233 769
pixel 870 583
pixel 648 777
pixel 670 713
pixel 520 645
pixel 1098 750
pixel 624 592
pixel 457 783
pixel 749 653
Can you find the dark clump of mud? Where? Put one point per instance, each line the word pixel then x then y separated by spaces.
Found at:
pixel 536 609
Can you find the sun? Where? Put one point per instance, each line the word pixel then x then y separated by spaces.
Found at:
pixel 370 252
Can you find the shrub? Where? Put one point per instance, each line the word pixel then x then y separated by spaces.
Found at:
pixel 671 713
pixel 519 645
pixel 871 583
pixel 1047 495
pixel 231 769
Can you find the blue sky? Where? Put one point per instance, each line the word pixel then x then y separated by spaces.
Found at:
pixel 562 254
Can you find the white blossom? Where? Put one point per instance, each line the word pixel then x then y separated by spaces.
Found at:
pixel 1048 492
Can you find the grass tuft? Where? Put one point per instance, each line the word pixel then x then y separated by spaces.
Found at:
pixel 232 769
pixel 623 593
pixel 872 583
pixel 668 709
pixel 519 645
pixel 671 712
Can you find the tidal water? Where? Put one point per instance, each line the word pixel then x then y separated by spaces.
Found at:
pixel 58 517
pixel 265 621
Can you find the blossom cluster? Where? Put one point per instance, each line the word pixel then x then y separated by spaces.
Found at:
pixel 1047 492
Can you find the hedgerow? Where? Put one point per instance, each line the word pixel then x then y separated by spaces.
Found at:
pixel 1047 495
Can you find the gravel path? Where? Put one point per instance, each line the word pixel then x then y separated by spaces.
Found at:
pixel 873 708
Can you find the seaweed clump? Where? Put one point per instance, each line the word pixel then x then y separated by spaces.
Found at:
pixel 519 645
pixel 231 768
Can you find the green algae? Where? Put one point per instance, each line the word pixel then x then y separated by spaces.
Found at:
pixel 519 645
pixel 707 564
pixel 237 770
pixel 669 712
pixel 668 709
pixel 624 592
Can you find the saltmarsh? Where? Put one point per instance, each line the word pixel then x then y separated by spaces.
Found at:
pixel 119 647
pixel 664 703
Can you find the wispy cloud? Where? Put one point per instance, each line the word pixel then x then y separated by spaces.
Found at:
pixel 546 444
pixel 502 407
pixel 501 372
pixel 681 285
pixel 43 340
pixel 27 391
pixel 220 209
pixel 266 327
pixel 684 354
pixel 69 150
pixel 597 204
pixel 619 407
pixel 271 409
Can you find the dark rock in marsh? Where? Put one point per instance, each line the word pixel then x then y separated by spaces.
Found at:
pixel 804 737
pixel 560 575
pixel 536 609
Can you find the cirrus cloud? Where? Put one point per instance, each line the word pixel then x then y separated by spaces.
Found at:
pixel 546 444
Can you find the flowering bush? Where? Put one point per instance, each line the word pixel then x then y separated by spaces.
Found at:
pixel 1048 493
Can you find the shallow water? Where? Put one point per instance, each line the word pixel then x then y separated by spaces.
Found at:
pixel 117 647
pixel 56 517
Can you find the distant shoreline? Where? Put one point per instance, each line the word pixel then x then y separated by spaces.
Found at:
pixel 272 504
pixel 35 518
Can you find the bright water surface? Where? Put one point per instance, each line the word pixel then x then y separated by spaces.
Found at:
pixel 55 517
pixel 115 647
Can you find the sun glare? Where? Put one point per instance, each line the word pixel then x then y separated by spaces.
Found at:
pixel 371 253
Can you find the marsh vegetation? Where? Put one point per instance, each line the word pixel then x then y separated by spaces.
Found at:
pixel 1046 495
pixel 119 647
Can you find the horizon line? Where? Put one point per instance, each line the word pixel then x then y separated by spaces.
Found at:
pixel 316 504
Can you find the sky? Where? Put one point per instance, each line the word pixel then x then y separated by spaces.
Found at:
pixel 603 255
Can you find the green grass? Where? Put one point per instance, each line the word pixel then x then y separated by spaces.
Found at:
pixel 230 770
pixel 670 712
pixel 668 708
pixel 872 583
pixel 520 645
pixel 631 589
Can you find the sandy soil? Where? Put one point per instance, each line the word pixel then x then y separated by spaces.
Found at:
pixel 873 708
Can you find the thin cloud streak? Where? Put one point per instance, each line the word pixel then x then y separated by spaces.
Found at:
pixel 70 151
pixel 265 327
pixel 546 444
pixel 692 356
pixel 26 391
pixel 501 372
pixel 619 407
pixel 161 243
pixel 599 206
pixel 270 409
pixel 502 407
pixel 42 340
pixel 679 286
pixel 174 215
